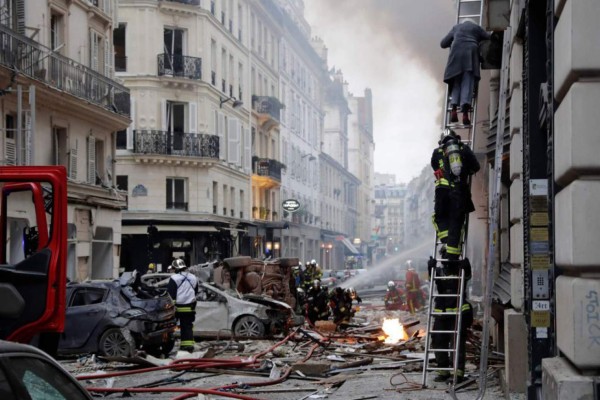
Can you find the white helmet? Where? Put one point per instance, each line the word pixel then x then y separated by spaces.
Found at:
pixel 316 283
pixel 391 284
pixel 178 265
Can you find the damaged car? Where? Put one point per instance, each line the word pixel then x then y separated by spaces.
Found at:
pixel 222 311
pixel 113 318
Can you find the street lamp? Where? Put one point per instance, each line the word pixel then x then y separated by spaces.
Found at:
pixel 236 103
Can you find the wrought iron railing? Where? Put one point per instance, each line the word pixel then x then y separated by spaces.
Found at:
pixel 176 144
pixel 178 65
pixel 267 105
pixel 173 205
pixel 30 58
pixel 267 167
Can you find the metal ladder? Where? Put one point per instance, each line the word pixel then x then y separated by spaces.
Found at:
pixel 471 9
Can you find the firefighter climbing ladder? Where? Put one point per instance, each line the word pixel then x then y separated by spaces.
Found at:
pixel 467 9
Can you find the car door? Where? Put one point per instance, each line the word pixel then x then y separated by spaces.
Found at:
pixel 211 311
pixel 85 313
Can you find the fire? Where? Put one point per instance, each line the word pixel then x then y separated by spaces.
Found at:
pixel 394 330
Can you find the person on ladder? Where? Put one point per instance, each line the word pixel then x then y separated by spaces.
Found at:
pixel 449 322
pixel 463 66
pixel 183 288
pixel 452 162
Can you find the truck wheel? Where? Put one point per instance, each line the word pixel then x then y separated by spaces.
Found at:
pixel 237 262
pixel 249 326
pixel 113 343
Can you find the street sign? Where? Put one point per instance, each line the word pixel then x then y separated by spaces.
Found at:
pixel 291 205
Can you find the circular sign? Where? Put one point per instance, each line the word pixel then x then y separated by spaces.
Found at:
pixel 290 205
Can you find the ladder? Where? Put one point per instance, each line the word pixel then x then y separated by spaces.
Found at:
pixel 467 9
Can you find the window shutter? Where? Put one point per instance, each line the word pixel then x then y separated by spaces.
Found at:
pixel 108 58
pixel 131 128
pixel 193 111
pixel 20 9
pixel 73 162
pixel 233 142
pixel 163 113
pixel 94 50
pixel 91 154
pixel 10 151
pixel 222 138
pixel 247 151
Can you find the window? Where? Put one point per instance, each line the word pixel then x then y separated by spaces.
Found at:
pixel 175 125
pixel 42 380
pixel 173 48
pixel 176 194
pixel 123 182
pixel 87 297
pixel 122 140
pixel 120 49
pixel 57 32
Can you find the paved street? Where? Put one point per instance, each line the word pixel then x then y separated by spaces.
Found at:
pixel 392 374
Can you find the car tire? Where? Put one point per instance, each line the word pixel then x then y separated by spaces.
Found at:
pixel 158 350
pixel 114 343
pixel 237 262
pixel 249 326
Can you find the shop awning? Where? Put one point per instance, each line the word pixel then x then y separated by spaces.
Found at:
pixel 143 229
pixel 348 245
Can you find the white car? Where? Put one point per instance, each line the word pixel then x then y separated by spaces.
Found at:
pixel 226 312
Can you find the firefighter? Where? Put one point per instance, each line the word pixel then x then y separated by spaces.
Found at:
pixel 393 297
pixel 412 286
pixel 183 288
pixel 448 322
pixel 341 307
pixel 316 303
pixel 311 273
pixel 453 162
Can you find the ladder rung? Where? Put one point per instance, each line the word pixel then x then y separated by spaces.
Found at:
pixel 440 369
pixel 442 332
pixel 444 313
pixel 446 295
pixel 448 277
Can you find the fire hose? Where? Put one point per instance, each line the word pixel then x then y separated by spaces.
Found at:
pixel 193 364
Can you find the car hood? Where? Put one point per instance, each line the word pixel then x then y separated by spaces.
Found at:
pixel 266 301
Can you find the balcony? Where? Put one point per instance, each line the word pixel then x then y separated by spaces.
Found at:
pixel 38 62
pixel 268 109
pixel 267 172
pixel 179 66
pixel 175 144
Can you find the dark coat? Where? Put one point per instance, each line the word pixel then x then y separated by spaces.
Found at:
pixel 463 41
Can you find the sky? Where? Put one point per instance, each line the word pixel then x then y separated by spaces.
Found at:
pixel 392 47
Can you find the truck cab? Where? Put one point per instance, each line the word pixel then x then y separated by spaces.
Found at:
pixel 33 245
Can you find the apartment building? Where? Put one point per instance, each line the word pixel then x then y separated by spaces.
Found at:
pixel 301 71
pixel 200 160
pixel 62 106
pixel 361 147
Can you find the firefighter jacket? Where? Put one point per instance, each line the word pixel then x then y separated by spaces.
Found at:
pixel 413 283
pixel 450 286
pixel 439 161
pixel 317 300
pixel 183 287
pixel 393 296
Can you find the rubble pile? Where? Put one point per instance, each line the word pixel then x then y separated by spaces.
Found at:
pixel 309 363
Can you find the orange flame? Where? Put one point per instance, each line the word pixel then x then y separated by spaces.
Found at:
pixel 394 330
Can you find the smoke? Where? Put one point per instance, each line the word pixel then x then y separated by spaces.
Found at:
pixel 393 47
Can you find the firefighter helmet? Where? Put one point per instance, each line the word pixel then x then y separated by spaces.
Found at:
pixel 178 265
pixel 391 284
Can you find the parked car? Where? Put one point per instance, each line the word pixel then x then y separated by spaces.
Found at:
pixel 113 318
pixel 328 279
pixel 226 312
pixel 27 372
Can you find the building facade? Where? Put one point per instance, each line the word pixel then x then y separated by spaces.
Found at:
pixel 61 106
